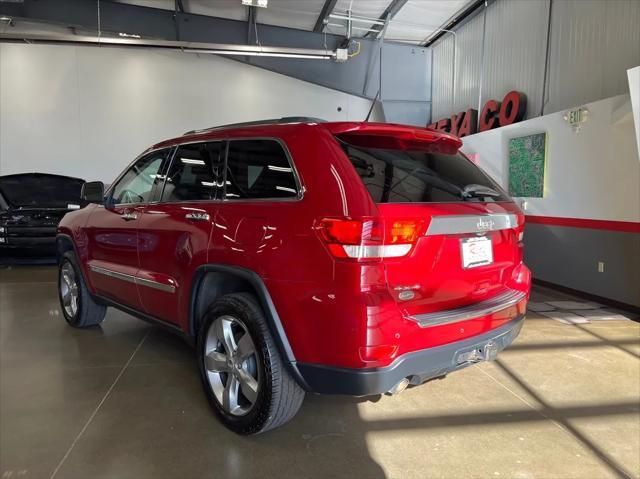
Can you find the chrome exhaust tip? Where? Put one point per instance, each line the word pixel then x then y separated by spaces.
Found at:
pixel 399 387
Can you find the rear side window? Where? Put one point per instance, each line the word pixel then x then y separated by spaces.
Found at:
pixel 405 176
pixel 193 172
pixel 259 169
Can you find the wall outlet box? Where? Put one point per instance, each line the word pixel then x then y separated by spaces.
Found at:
pixel 600 266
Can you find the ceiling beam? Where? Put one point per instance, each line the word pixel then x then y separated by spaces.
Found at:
pixel 327 9
pixel 179 8
pixel 392 9
pixel 252 14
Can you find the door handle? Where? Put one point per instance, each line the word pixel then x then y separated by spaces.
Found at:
pixel 197 216
pixel 129 216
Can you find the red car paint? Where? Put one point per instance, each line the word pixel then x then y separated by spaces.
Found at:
pixel 334 311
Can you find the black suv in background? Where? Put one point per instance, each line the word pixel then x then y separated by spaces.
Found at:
pixel 31 206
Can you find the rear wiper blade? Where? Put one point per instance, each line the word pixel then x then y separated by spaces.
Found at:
pixel 474 190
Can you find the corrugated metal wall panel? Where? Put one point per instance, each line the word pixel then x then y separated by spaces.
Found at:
pixel 576 60
pixel 441 91
pixel 468 59
pixel 515 48
pixel 624 40
pixel 468 44
pixel 592 44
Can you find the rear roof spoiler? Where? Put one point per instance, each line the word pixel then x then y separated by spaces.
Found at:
pixel 393 136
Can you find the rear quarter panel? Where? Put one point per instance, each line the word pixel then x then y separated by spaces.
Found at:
pixel 278 241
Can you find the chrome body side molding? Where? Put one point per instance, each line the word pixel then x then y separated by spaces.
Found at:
pixel 133 279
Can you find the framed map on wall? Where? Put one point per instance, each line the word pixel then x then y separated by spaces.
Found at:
pixel 526 165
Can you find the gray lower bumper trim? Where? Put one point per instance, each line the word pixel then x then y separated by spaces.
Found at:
pixel 419 366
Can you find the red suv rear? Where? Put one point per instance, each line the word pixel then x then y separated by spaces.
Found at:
pixel 297 255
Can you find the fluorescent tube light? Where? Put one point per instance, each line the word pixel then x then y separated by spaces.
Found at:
pixel 190 161
pixel 328 56
pixel 284 188
pixel 279 168
pixel 256 3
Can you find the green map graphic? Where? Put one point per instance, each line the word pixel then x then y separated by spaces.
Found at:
pixel 526 166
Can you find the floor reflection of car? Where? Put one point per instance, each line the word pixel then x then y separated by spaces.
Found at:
pixel 31 206
pixel 304 256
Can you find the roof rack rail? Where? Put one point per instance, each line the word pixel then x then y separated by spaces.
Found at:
pixel 284 119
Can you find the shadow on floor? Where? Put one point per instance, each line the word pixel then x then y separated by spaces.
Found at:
pixel 326 439
pixel 68 405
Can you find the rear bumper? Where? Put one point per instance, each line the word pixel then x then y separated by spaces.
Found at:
pixel 418 366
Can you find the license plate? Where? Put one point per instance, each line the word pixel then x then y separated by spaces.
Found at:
pixel 477 251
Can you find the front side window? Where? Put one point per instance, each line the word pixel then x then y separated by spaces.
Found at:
pixel 193 172
pixel 137 184
pixel 259 169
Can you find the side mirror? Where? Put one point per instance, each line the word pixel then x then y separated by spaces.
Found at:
pixel 93 192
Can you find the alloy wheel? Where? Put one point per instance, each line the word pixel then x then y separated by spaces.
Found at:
pixel 231 363
pixel 69 289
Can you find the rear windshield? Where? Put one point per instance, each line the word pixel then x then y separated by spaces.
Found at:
pixel 405 176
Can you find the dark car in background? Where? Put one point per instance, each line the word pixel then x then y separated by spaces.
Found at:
pixel 31 206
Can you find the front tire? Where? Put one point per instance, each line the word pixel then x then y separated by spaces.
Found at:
pixel 244 378
pixel 78 306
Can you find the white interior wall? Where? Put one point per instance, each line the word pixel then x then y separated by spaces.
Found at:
pixel 634 90
pixel 593 174
pixel 88 111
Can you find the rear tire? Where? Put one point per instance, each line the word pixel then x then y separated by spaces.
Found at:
pixel 237 355
pixel 78 306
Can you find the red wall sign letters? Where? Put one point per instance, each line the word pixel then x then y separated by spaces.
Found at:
pixel 493 115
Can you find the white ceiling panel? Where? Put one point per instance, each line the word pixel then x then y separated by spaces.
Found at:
pixel 300 14
pixel 164 4
pixel 418 19
pixel 359 8
pixel 415 21
pixel 232 9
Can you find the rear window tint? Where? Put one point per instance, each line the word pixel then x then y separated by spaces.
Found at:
pixel 399 176
pixel 259 169
pixel 193 172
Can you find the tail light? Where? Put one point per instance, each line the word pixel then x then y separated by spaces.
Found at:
pixel 368 238
pixel 520 229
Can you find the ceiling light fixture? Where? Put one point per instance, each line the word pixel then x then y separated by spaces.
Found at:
pixel 129 40
pixel 327 56
pixel 255 3
pixel 129 35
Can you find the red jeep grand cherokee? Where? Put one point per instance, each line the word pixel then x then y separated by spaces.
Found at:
pixel 298 255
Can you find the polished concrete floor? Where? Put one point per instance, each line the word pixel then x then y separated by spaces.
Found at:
pixel 123 401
